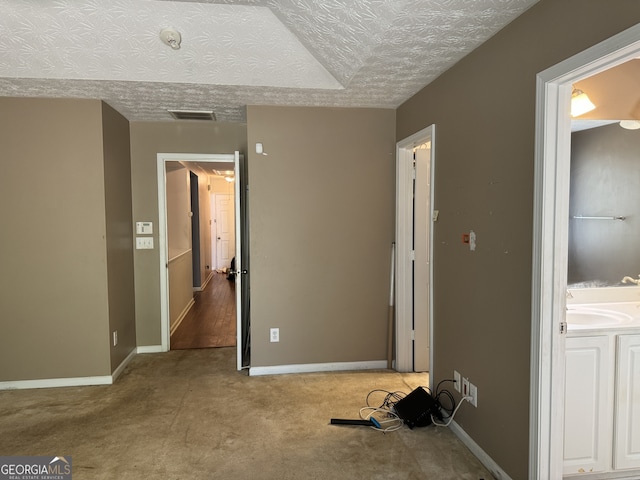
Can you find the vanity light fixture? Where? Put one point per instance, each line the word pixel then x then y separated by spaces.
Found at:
pixel 630 124
pixel 580 103
pixel 171 37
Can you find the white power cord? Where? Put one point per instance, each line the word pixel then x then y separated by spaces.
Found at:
pixel 467 398
pixel 392 418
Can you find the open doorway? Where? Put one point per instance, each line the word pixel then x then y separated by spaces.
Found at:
pixel 414 251
pixel 174 278
pixel 551 233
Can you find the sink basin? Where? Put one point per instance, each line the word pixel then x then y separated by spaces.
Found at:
pixel 596 318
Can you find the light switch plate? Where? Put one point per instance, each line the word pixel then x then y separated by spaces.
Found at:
pixel 144 243
pixel 144 228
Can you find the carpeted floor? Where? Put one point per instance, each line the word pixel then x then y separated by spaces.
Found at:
pixel 188 414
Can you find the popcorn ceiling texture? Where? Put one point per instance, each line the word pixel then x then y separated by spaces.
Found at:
pixel 343 53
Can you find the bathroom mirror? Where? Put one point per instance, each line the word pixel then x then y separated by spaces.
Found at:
pixel 604 225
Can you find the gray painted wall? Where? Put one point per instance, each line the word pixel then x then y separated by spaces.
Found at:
pixel 147 140
pixel 321 217
pixel 57 241
pixel 484 111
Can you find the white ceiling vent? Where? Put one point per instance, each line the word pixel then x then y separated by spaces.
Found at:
pixel 193 115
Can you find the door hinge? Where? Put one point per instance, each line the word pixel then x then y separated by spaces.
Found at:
pixel 413 334
pixel 412 255
pixel 563 328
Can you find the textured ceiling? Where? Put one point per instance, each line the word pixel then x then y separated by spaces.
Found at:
pixel 345 53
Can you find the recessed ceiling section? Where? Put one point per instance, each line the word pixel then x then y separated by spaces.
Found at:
pixel 221 44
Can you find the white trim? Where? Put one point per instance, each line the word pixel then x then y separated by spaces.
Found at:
pixel 150 349
pixel 404 223
pixel 480 454
pixel 205 283
pixel 56 382
pixel 71 381
pixel 120 368
pixel 183 314
pixel 318 367
pixel 550 231
pixel 165 333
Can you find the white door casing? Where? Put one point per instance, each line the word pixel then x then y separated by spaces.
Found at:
pixel 550 226
pixel 162 158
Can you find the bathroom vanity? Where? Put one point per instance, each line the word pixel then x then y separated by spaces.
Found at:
pixel 602 389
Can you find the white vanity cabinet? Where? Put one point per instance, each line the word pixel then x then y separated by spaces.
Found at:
pixel 588 425
pixel 627 404
pixel 602 403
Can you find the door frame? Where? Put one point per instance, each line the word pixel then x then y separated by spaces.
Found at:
pixel 550 235
pixel 404 241
pixel 162 159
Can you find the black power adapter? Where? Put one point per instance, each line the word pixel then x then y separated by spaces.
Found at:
pixel 417 408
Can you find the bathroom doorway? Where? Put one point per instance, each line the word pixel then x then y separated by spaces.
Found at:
pixel 550 257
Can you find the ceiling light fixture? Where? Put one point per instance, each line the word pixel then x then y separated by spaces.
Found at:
pixel 580 103
pixel 630 124
pixel 171 37
pixel 229 179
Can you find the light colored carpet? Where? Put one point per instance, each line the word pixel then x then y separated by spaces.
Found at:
pixel 188 414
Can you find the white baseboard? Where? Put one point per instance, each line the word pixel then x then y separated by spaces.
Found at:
pixel 56 382
pixel 116 373
pixel 150 349
pixel 181 317
pixel 480 454
pixel 205 283
pixel 318 367
pixel 71 381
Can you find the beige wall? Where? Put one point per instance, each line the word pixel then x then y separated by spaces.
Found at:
pixel 484 111
pixel 147 140
pixel 322 223
pixel 119 229
pixel 53 275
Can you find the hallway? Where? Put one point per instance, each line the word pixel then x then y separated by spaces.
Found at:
pixel 211 322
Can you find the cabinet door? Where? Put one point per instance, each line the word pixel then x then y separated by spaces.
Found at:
pixel 588 404
pixel 627 417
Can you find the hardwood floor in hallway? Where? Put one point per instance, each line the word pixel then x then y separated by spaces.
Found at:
pixel 211 322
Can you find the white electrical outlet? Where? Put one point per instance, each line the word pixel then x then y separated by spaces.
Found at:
pixel 457 381
pixel 115 338
pixel 473 393
pixel 465 387
pixel 275 335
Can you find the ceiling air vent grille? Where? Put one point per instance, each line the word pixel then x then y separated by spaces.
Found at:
pixel 193 115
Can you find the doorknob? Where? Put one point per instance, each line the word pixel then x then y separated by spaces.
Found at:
pixel 218 238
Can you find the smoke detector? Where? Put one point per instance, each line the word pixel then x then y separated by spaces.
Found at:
pixel 171 37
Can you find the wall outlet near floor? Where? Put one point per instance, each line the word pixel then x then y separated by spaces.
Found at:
pixel 457 380
pixel 115 338
pixel 473 393
pixel 274 335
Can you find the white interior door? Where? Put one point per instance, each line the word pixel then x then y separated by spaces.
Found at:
pixel 225 230
pixel 414 252
pixel 421 228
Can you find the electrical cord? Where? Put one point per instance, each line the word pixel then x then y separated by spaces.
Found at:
pixel 395 422
pixel 386 408
pixel 450 418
